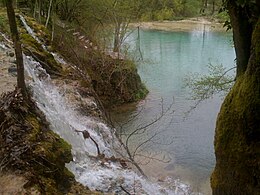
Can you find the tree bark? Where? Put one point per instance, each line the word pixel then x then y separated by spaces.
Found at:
pixel 237 136
pixel 242 31
pixel 213 7
pixel 116 38
pixel 17 46
pixel 49 14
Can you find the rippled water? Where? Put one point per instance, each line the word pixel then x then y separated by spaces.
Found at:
pixel 167 58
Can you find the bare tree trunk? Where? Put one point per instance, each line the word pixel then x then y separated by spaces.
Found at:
pixel 52 29
pixel 49 14
pixel 40 11
pixel 17 46
pixel 213 7
pixel 204 6
pixel 205 3
pixel 116 38
pixel 35 9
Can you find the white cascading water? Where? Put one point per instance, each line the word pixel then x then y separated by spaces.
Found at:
pixel 89 170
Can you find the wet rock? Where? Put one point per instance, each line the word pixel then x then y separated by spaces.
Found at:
pixel 3 46
pixel 12 70
pixel 11 54
pixel 13 61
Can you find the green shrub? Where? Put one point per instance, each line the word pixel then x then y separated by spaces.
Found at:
pixel 164 14
pixel 222 17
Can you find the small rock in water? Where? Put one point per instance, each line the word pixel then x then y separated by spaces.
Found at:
pixel 12 70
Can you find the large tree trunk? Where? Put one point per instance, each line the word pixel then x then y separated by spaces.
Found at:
pixel 17 47
pixel 237 138
pixel 242 31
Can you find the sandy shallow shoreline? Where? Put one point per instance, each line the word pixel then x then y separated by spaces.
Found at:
pixel 192 24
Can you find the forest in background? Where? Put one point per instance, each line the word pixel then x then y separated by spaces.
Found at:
pixel 106 21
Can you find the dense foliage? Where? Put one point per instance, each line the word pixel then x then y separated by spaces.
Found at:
pixel 100 18
pixel 103 9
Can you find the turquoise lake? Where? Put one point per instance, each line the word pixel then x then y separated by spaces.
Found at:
pixel 185 139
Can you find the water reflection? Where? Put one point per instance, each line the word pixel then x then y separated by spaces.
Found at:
pixel 174 54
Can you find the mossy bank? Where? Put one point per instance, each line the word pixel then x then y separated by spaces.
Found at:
pixel 31 150
pixel 114 80
pixel 237 139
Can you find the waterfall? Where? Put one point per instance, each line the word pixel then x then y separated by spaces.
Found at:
pixel 88 170
pixel 108 177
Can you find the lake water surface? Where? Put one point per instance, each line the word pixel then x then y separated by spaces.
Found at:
pixel 185 139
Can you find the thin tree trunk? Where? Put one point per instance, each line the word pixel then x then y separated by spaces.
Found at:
pixel 52 29
pixel 213 7
pixel 205 3
pixel 49 14
pixel 34 10
pixel 40 11
pixel 116 38
pixel 17 46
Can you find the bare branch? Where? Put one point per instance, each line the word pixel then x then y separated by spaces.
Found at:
pixel 86 135
pixel 142 148
pixel 125 190
pixel 143 143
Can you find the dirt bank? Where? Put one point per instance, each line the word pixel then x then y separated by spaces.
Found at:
pixel 192 24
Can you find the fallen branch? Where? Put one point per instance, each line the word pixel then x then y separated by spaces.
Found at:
pixel 124 190
pixel 86 135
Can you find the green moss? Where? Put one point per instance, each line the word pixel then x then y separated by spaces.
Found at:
pixel 237 145
pixel 4 27
pixel 236 141
pixel 40 154
pixel 34 49
pixel 115 81
pixel 49 186
pixel 35 127
pixel 42 33
pixel 49 157
pixel 141 93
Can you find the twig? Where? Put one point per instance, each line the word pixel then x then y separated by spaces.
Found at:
pixel 125 190
pixel 86 135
